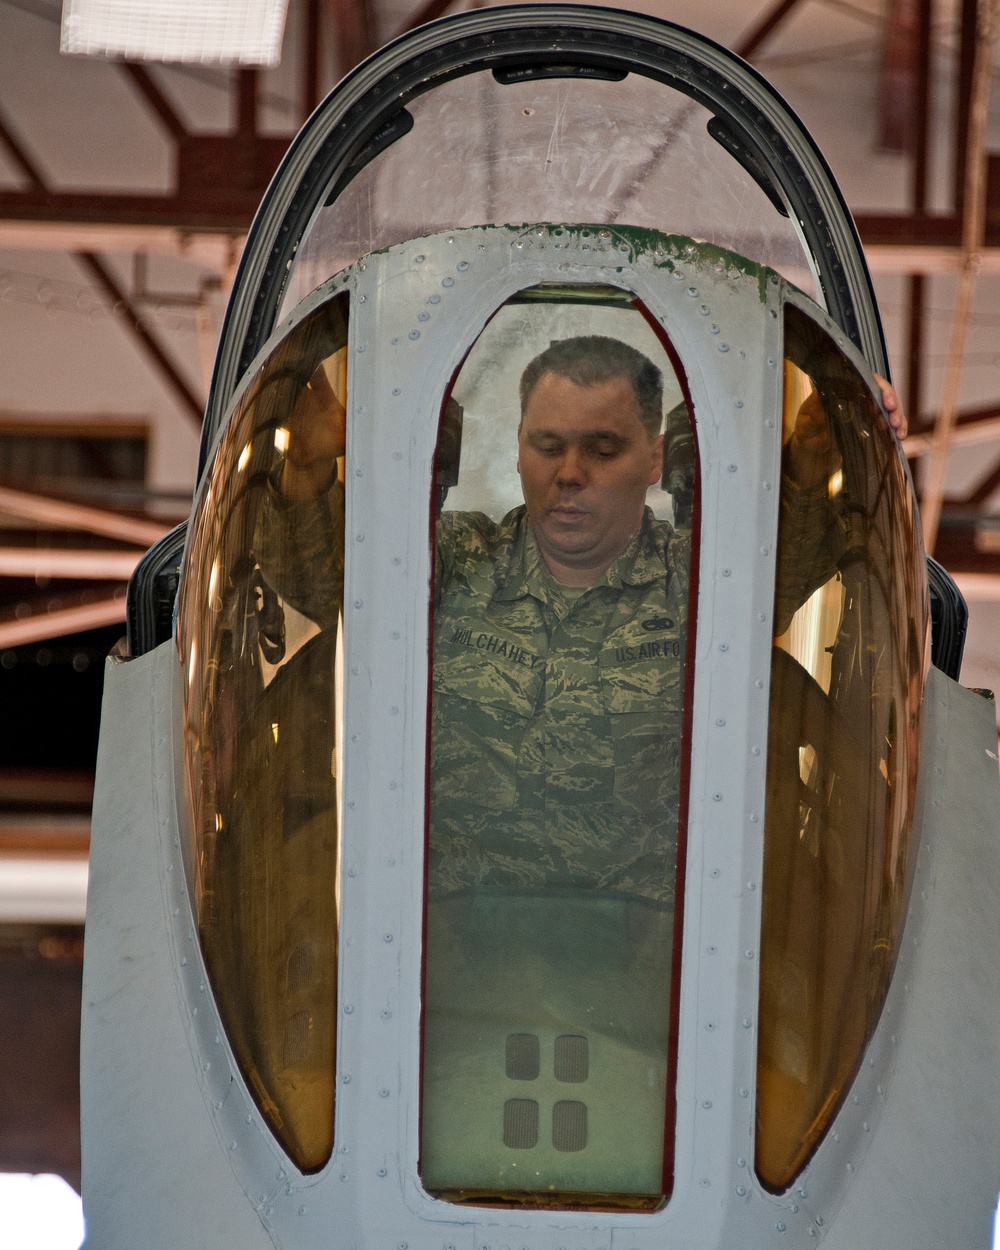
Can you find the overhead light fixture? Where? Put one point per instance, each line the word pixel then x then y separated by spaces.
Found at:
pixel 214 32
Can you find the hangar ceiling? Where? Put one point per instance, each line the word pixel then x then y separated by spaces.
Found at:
pixel 118 236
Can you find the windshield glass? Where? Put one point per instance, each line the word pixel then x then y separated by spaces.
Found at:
pixel 565 150
pixel 557 759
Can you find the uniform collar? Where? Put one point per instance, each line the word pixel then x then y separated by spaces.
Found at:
pixel 520 569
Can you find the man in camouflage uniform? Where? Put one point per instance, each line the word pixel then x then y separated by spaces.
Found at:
pixel 560 631
pixel 559 651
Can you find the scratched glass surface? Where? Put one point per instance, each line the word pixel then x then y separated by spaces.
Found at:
pixel 480 152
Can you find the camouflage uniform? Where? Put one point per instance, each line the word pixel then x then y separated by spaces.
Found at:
pixel 557 720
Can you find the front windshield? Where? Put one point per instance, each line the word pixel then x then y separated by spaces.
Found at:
pixel 482 152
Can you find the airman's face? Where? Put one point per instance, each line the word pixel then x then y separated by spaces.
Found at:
pixel 585 461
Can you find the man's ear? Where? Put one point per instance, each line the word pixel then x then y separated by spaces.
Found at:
pixel 656 465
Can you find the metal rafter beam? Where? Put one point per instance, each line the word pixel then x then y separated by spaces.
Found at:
pixel 62 514
pixel 767 25
pixel 967 433
pixel 44 835
pixel 910 229
pixel 41 625
pixel 920 127
pixel 246 101
pixel 930 258
pixel 354 23
pixel 150 345
pixel 965 546
pixel 977 418
pixel 17 149
pixel 69 563
pixel 162 109
pixel 200 201
pixel 53 787
pixel 311 57
pixel 967 32
pixel 979 587
pixel 196 211
pixel 916 139
pixel 898 77
pixel 748 45
pixel 916 284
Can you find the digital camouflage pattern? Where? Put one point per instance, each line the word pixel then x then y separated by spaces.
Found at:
pixel 557 717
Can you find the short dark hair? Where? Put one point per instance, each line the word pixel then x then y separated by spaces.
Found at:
pixel 594 358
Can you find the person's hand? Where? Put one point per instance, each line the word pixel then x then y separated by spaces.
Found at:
pixel 812 454
pixel 893 407
pixel 316 439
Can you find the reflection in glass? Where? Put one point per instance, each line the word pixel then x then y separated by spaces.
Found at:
pixel 260 640
pixel 847 673
pixel 480 152
pixel 556 773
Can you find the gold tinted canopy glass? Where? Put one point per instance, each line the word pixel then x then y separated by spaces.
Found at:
pixel 261 643
pixel 846 682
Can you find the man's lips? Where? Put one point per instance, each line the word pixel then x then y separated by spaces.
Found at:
pixel 568 512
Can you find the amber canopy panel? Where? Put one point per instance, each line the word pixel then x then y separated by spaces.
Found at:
pixel 556 763
pixel 848 663
pixel 260 642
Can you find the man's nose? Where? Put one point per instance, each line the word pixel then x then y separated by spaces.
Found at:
pixel 572 470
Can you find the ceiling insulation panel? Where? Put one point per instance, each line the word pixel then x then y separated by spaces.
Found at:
pixel 245 32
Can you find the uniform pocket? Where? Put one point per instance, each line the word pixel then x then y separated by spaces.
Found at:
pixel 643 676
pixel 644 701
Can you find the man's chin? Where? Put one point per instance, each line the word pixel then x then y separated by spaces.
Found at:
pixel 564 542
